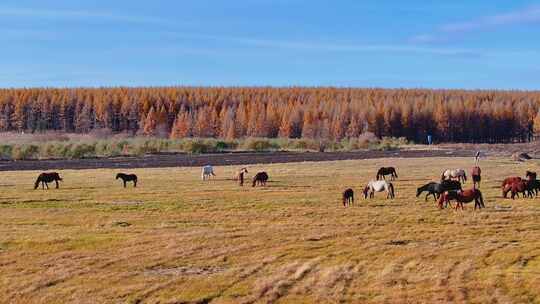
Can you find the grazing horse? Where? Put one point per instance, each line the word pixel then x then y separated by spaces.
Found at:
pixel 348 197
pixel 461 197
pixel 239 176
pixel 436 189
pixel 507 182
pixel 521 186
pixel 260 179
pixel 534 184
pixel 207 171
pixel 379 186
pixel 476 176
pixel 47 177
pixel 387 171
pixel 127 178
pixel 459 174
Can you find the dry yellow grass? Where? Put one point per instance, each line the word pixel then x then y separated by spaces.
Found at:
pixel 176 239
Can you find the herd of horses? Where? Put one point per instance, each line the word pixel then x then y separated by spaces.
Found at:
pixel 259 179
pixel 450 189
pixel 446 191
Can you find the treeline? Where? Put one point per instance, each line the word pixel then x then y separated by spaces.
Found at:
pixel 312 113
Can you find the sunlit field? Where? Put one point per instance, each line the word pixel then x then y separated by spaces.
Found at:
pixel 177 239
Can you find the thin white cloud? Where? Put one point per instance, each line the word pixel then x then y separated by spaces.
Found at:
pixel 79 14
pixel 449 31
pixel 524 16
pixel 330 46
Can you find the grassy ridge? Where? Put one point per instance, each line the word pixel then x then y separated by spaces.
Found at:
pixel 178 239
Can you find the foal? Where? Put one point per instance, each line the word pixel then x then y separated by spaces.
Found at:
pixel 348 197
pixel 476 176
pixel 240 176
pixel 127 178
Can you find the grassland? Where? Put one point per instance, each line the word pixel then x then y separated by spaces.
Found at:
pixel 176 239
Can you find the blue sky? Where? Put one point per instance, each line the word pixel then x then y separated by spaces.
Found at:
pixel 410 44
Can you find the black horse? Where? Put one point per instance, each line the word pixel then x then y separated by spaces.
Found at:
pixel 387 171
pixel 47 177
pixel 260 179
pixel 436 189
pixel 127 178
pixel 348 197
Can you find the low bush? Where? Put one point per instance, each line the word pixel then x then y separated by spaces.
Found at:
pixel 81 147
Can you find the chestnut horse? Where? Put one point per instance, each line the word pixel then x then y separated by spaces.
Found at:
pixel 507 182
pixel 461 197
pixel 476 176
pixel 348 197
pixel 525 187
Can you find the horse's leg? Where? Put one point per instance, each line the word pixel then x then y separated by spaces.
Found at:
pixel 135 183
pixel 56 181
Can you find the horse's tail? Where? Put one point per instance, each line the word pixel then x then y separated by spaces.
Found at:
pixel 481 199
pixel 391 188
pixel 36 184
pixel 395 173
pixel 443 176
pixel 377 176
pixel 254 181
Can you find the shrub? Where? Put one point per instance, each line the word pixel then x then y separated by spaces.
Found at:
pixel 259 144
pixel 24 152
pixel 5 151
pixel 82 150
pixel 197 146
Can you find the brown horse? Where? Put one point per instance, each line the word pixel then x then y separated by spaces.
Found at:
pixel 461 197
pixel 509 181
pixel 260 179
pixel 525 187
pixel 47 177
pixel 476 176
pixel 348 197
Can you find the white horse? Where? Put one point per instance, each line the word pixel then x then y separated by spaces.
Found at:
pixel 459 174
pixel 207 171
pixel 379 186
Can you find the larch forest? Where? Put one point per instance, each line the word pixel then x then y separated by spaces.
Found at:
pixel 293 112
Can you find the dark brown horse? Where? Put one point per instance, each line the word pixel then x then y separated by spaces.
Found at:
pixel 260 179
pixel 47 177
pixel 387 171
pixel 476 176
pixel 533 183
pixel 461 197
pixel 127 178
pixel 348 197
